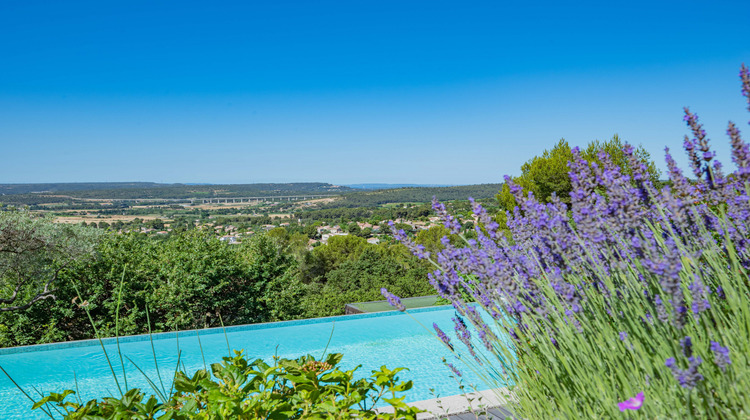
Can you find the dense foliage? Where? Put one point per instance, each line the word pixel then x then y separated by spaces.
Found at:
pixel 192 280
pixel 137 190
pixel 304 388
pixel 34 253
pixel 10 189
pixel 632 298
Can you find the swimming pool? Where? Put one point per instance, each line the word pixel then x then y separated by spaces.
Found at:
pixel 372 340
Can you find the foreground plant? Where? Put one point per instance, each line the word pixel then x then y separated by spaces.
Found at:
pixel 237 389
pixel 630 298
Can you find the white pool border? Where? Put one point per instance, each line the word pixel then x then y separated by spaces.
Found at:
pixel 445 407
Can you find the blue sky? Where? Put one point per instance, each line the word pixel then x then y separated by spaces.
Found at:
pixel 353 91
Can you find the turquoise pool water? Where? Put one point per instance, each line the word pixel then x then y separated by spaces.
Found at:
pixel 372 340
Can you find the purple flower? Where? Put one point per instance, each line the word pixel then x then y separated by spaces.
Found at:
pixel 462 332
pixel 740 152
pixel 489 224
pixel 661 311
pixel 418 250
pixel 698 293
pixel 687 346
pixel 689 377
pixel 393 300
pixel 634 403
pixel 514 335
pixel 721 356
pixel 454 370
pixel 487 339
pixel 442 336
pixel 745 77
pixel 589 246
pixel 450 222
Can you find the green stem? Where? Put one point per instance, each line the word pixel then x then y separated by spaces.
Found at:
pixel 98 337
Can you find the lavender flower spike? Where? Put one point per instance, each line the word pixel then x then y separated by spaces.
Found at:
pixel 721 356
pixel 634 403
pixel 689 377
pixel 687 346
pixel 416 249
pixel 740 152
pixel 455 370
pixel 393 300
pixel 745 77
pixel 443 336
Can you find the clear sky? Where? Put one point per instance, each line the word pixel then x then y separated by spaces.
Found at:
pixel 353 91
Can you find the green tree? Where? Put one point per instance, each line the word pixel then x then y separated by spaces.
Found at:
pixel 614 148
pixel 431 238
pixel 34 251
pixel 353 229
pixel 267 263
pixel 279 236
pixel 360 279
pixel 284 294
pixel 328 257
pixel 547 174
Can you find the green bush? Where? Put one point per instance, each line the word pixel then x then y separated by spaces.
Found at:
pixel 190 280
pixel 305 388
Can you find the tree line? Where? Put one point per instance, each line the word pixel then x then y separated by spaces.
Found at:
pixel 192 280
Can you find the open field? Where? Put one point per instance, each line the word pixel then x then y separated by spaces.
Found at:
pixel 107 218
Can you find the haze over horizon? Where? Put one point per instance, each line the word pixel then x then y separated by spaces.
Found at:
pixel 372 92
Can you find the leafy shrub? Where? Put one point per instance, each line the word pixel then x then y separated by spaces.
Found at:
pixel 235 388
pixel 631 298
pixel 360 278
pixel 187 281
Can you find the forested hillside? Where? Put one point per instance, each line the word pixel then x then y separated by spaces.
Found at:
pixel 74 186
pixel 124 191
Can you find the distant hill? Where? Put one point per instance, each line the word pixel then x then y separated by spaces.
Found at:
pixel 74 186
pixel 392 186
pixel 150 190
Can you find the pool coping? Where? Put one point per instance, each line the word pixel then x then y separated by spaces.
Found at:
pixel 453 406
pixel 207 331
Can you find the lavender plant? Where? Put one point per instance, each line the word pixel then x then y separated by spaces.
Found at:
pixel 629 298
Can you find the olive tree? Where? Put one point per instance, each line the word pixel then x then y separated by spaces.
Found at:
pixel 33 252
